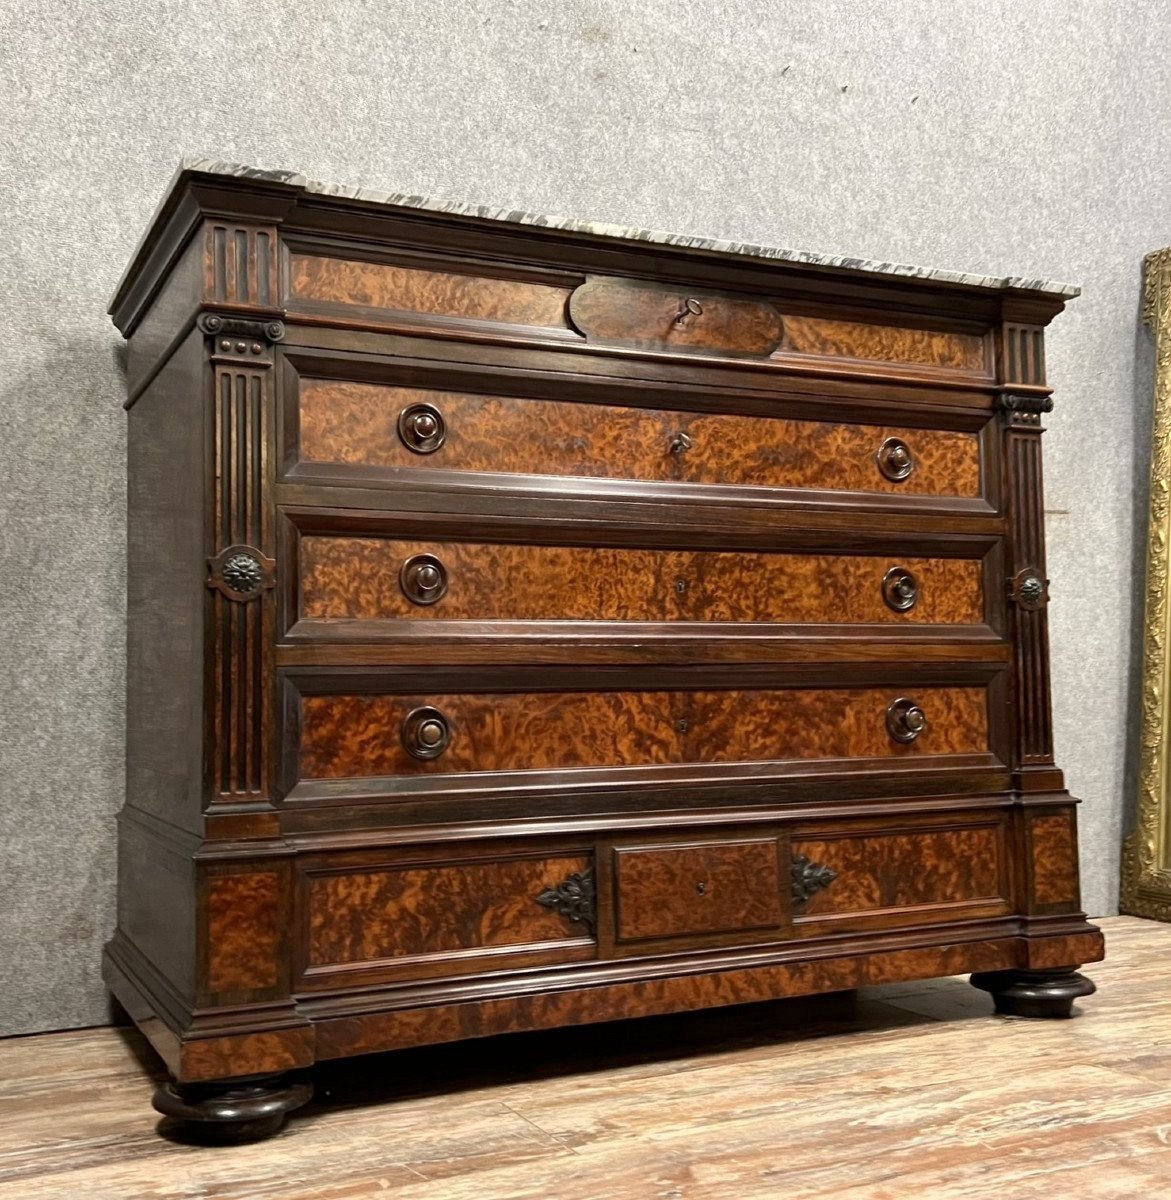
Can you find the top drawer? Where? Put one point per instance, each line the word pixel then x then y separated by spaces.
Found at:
pixel 677 316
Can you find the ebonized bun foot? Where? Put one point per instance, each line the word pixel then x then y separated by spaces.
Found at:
pixel 237 1110
pixel 1035 993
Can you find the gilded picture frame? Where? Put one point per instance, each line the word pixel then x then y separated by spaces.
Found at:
pixel 1146 855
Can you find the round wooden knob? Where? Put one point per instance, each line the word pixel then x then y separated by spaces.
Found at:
pixel 895 460
pixel 900 589
pixel 421 428
pixel 423 579
pixel 425 733
pixel 905 720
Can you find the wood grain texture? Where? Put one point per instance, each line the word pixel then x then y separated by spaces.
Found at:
pixel 632 313
pixel 242 932
pixel 400 912
pixel 905 1082
pixel 885 343
pixel 424 290
pixel 715 886
pixel 355 424
pixel 904 870
pixel 358 578
pixel 1053 850
pixel 346 736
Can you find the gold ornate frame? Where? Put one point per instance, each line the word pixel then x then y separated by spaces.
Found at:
pixel 1146 855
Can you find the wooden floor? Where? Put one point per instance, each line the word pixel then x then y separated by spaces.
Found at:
pixel 909 1091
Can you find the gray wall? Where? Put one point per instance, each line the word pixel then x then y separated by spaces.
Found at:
pixel 989 135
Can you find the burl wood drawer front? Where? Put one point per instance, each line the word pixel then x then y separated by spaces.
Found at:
pixel 444 911
pixel 371 579
pixel 934 871
pixel 716 886
pixel 386 427
pixel 641 314
pixel 428 291
pixel 352 736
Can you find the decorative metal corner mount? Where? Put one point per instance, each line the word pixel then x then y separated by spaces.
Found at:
pixel 809 877
pixel 241 572
pixel 1024 410
pixel 1029 589
pixel 574 898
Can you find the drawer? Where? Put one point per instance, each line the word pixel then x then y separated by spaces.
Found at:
pixel 714 886
pixel 355 736
pixel 379 430
pixel 564 306
pixel 344 578
pixel 435 911
pixel 850 878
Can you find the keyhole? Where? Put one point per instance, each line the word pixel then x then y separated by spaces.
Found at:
pixel 701 888
pixel 680 586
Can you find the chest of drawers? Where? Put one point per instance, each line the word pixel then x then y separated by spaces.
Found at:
pixel 538 625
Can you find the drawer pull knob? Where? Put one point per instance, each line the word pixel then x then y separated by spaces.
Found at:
pixel 421 428
pixel 900 589
pixel 423 579
pixel 425 733
pixel 688 309
pixel 895 460
pixel 679 443
pixel 905 720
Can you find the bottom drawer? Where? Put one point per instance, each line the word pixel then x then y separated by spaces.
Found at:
pixel 856 878
pixel 425 912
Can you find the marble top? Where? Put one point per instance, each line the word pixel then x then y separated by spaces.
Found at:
pixel 369 195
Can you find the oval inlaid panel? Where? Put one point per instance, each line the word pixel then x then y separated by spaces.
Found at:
pixel 630 313
pixel 347 736
pixel 356 424
pixel 358 578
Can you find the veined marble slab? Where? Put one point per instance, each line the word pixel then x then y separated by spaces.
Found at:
pixel 211 166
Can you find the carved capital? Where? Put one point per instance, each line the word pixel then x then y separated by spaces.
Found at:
pixel 241 340
pixel 574 898
pixel 1024 410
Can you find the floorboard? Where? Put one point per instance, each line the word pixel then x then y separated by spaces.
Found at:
pixel 910 1090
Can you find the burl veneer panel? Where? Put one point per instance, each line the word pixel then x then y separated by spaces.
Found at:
pixel 358 578
pixel 356 423
pixel 618 1001
pixel 405 912
pixel 414 289
pixel 1053 842
pixel 359 735
pixel 243 934
pixel 712 887
pixel 885 343
pixel 902 870
pixel 634 314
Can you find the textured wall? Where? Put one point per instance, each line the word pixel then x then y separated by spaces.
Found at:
pixel 989 135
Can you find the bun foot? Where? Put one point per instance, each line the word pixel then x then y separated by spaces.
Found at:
pixel 237 1110
pixel 1035 993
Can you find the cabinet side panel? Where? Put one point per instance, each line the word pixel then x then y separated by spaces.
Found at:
pixel 166 591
